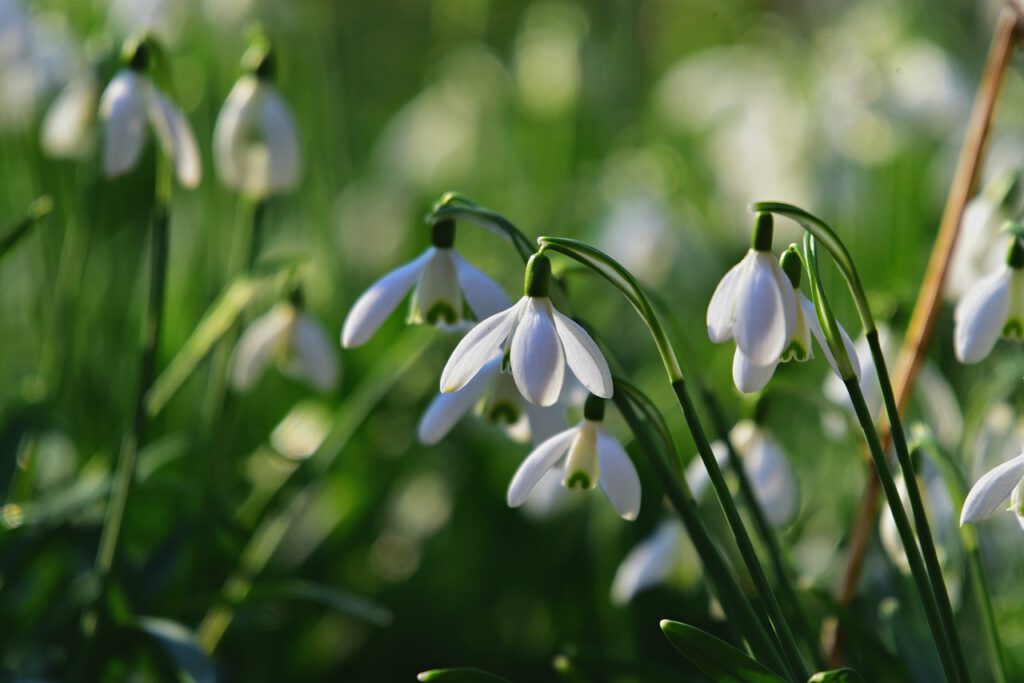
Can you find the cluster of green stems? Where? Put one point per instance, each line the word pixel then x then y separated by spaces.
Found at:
pixel 768 634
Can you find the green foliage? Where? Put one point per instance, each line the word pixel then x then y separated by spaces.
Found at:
pixel 719 660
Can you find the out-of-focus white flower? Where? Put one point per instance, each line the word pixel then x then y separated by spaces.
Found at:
pixel 294 340
pixel 543 342
pixel 989 492
pixel 69 127
pixel 164 19
pixel 992 308
pixel 443 282
pixel 547 58
pixel 936 399
pixel 973 254
pixel 589 456
pixel 941 516
pixel 637 232
pixel 130 106
pixel 775 487
pixel 255 143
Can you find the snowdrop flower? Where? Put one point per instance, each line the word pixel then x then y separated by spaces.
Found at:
pixel 443 282
pixel 992 308
pixel 294 340
pixel 255 144
pixel 589 456
pixel 754 302
pixel 68 129
pixel 543 342
pixel 494 395
pixel 775 486
pixel 973 255
pixel 941 515
pixel 751 376
pixel 998 484
pixel 131 105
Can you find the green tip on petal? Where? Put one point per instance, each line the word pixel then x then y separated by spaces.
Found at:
pixel 1013 329
pixel 441 312
pixel 503 412
pixel 578 480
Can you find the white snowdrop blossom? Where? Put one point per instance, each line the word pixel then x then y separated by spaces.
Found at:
pixel 994 487
pixel 292 339
pixel 775 486
pixel 735 300
pixel 941 519
pixel 991 308
pixel 69 127
pixel 542 343
pixel 973 256
pixel 443 282
pixel 130 106
pixel 589 457
pixel 255 143
pixel 493 394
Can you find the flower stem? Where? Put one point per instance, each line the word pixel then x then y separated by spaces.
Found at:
pixel 38 210
pixel 149 346
pixel 627 284
pixel 969 536
pixel 717 570
pixel 942 632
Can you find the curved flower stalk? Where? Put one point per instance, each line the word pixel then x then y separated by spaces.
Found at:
pixel 926 571
pixel 443 283
pixel 255 141
pixel 775 487
pixel 69 127
pixel 991 491
pixel 291 338
pixel 131 105
pixel 973 256
pixel 737 295
pixel 991 308
pixel 542 342
pixel 589 457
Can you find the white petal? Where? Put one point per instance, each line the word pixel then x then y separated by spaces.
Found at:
pixel 478 347
pixel 537 463
pixel 749 377
pixel 1017 503
pixel 760 323
pixel 176 138
pixel 282 140
pixel 374 306
pixel 261 340
pixel 584 357
pixel 123 111
pixel 549 497
pixel 313 354
pixel 619 479
pixel 723 303
pixel 67 129
pixel 991 490
pixel 771 477
pixel 447 409
pixel 981 315
pixel 648 563
pixel 538 363
pixel 438 288
pixel 484 296
pixel 230 133
pixel 811 316
pixel 789 304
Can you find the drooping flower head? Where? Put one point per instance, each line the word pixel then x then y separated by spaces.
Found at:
pixel 589 457
pixel 255 142
pixel 289 337
pixel 542 342
pixel 69 128
pixel 132 105
pixel 992 308
pixel 445 285
pixel 763 299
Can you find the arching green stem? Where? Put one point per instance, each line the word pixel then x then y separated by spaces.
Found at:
pixel 455 206
pixel 717 570
pixel 925 585
pixel 624 281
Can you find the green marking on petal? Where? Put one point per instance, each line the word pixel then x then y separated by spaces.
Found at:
pixel 578 480
pixel 795 351
pixel 503 411
pixel 442 312
pixel 1013 329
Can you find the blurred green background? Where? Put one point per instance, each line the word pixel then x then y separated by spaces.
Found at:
pixel 645 127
